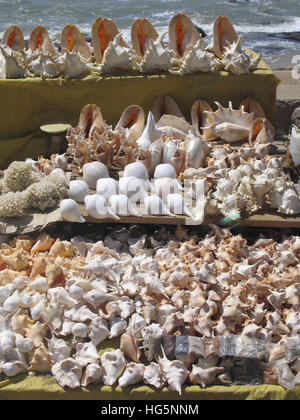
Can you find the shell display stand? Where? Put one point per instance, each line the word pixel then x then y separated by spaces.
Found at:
pixel 37 101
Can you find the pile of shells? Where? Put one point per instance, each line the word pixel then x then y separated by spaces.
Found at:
pixel 187 310
pixel 110 54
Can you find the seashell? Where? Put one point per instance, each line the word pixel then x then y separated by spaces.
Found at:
pixel 196 59
pixel 104 31
pixel 152 156
pixel 155 206
pixel 86 353
pixel 174 372
pixel 228 124
pixel 97 207
pixel 132 375
pixel 142 32
pixel 204 377
pixel 92 375
pixel 152 336
pixel 73 65
pixel 70 212
pixel 116 57
pixel 182 34
pixel 153 376
pixel 78 190
pixel 43 243
pixel 156 58
pixel 19 323
pixel 117 327
pixel 165 170
pixel 40 361
pixel 58 172
pixel 286 377
pixel 173 322
pixel 172 126
pixel 132 119
pixel 6 291
pixel 9 66
pixel 67 373
pixel 72 40
pixel 13 37
pixel 52 315
pixel 39 40
pixel 223 32
pixel 138 170
pixel 149 135
pixel 127 307
pixel 165 186
pixel 66 328
pixel 113 364
pixel 91 120
pixel 236 61
pixel 58 349
pixel 251 105
pixel 133 188
pixel 92 172
pixel 295 145
pixel 80 313
pixel 122 206
pixel 13 368
pixel 199 118
pixel 196 151
pixel 24 345
pixel 80 330
pixel 12 303
pixel 40 284
pixel 107 187
pixel 165 105
pixel 98 330
pixel 7 342
pixel 177 206
pixel 129 345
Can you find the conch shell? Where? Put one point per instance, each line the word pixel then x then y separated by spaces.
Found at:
pixel 39 40
pixel 92 375
pixel 72 40
pixel 104 31
pixel 251 105
pixel 228 124
pixel 91 119
pixel 142 32
pixel 13 37
pixel 183 34
pixel 195 60
pixel 116 57
pixel 132 375
pixel 174 372
pixel 153 376
pixel 67 373
pixel 223 32
pixel 9 66
pixel 199 118
pixel 165 105
pixel 113 364
pixel 132 119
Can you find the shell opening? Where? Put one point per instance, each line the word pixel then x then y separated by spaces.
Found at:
pixel 102 38
pixel 70 41
pixel 179 37
pixel 11 38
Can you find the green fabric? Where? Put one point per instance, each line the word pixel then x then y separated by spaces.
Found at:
pixel 26 104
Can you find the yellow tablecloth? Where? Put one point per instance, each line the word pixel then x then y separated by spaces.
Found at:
pixel 26 104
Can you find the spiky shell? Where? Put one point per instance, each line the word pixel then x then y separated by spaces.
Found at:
pixel 113 364
pixel 13 37
pixel 236 61
pixel 39 40
pixel 67 373
pixel 228 124
pixel 195 60
pixel 142 33
pixel 183 34
pixel 9 65
pixel 73 41
pixel 156 57
pixel 116 57
pixel 223 32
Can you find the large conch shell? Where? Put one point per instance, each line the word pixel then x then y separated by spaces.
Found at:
pixel 170 125
pixel 113 364
pixel 132 119
pixel 223 32
pixel 149 135
pixel 165 105
pixel 183 34
pixel 70 212
pixel 295 145
pixel 199 118
pixel 228 124
pixel 13 37
pixel 72 40
pixel 91 119
pixel 93 171
pixel 117 57
pixel 104 31
pixel 251 105
pixel 39 40
pixel 142 32
pixel 157 58
pixel 195 60
pixel 9 66
pixel 236 61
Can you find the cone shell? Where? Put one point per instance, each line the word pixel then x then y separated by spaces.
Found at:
pixel 182 34
pixel 142 31
pixel 72 40
pixel 39 38
pixel 104 31
pixel 13 37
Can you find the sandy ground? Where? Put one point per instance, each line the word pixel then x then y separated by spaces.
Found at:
pixel 289 88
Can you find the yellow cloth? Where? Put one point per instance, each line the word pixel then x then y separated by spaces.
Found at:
pixel 25 387
pixel 26 104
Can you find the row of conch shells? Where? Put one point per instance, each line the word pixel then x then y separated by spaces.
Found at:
pixel 110 54
pixel 187 310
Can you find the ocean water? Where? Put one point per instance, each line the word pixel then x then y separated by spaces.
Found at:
pixel 270 26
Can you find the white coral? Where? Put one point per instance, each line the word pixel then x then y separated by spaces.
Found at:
pixel 13 204
pixel 17 177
